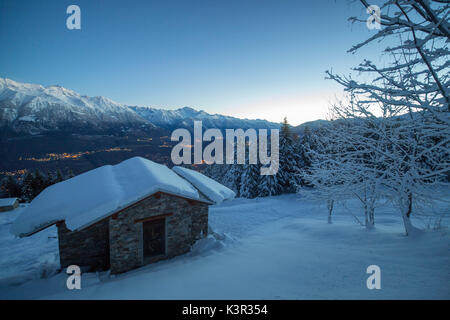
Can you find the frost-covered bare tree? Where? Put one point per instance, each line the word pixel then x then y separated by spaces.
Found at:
pixel 417 79
pixel 326 171
pixel 343 167
pixel 324 165
pixel 405 104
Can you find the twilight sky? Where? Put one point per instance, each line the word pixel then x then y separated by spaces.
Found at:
pixel 246 58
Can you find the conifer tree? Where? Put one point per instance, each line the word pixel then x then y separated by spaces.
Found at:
pixel 37 183
pixel 49 179
pixel 249 187
pixel 12 187
pixel 289 174
pixel 302 148
pixel 269 186
pixel 59 176
pixel 27 189
pixel 232 178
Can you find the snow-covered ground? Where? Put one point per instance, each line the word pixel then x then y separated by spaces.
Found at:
pixel 23 259
pixel 269 248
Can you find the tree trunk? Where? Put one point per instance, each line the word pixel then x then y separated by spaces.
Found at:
pixel 370 222
pixel 372 216
pixel 330 204
pixel 369 216
pixel 406 207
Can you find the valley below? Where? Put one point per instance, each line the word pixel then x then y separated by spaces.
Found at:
pixel 77 153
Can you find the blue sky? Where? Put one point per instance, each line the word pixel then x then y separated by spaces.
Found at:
pixel 247 58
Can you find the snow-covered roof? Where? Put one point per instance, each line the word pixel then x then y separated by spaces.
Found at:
pixel 96 194
pixel 6 202
pixel 209 187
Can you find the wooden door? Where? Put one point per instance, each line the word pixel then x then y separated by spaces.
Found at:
pixel 154 237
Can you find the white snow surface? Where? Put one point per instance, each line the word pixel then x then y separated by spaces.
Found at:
pixel 7 201
pixel 209 187
pixel 268 248
pixel 95 194
pixel 184 117
pixel 35 96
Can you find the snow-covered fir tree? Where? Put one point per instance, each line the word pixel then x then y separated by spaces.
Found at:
pixel 289 172
pixel 11 187
pixel 304 162
pixel 27 187
pixel 250 181
pixel 269 186
pixel 232 178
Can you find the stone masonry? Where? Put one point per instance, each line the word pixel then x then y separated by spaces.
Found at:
pixel 86 248
pixel 187 222
pixel 116 242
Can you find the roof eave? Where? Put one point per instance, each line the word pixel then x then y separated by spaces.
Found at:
pixel 136 201
pixel 45 226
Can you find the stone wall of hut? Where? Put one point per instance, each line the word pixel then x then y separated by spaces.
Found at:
pixel 117 241
pixel 186 222
pixel 86 248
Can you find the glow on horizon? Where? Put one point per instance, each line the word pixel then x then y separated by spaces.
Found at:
pixel 298 107
pixel 256 60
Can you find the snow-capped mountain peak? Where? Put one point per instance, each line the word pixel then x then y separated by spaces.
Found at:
pixel 185 117
pixel 33 108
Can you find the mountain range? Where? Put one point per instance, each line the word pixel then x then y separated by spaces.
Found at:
pixel 48 128
pixel 31 109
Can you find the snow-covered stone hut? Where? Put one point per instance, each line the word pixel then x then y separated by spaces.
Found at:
pixel 124 216
pixel 8 204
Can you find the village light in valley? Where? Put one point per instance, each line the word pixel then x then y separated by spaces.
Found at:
pixel 181 152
